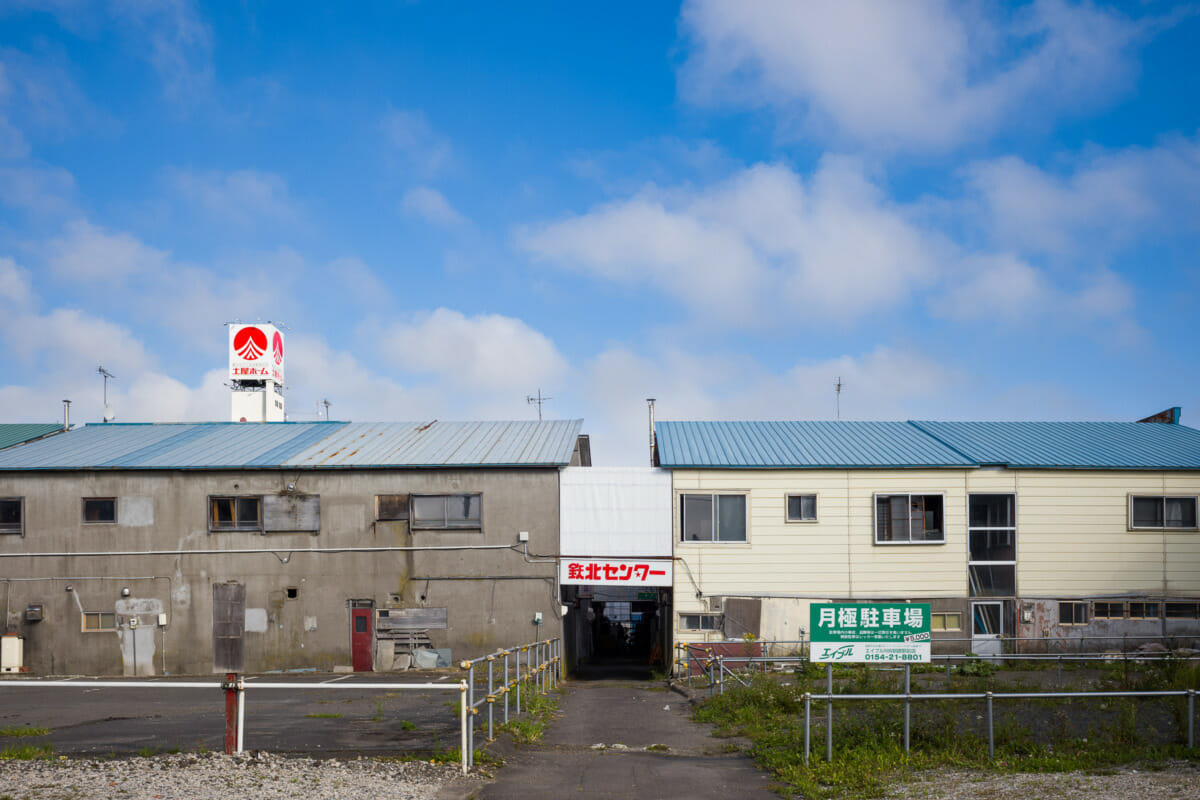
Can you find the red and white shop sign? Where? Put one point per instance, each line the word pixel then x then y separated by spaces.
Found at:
pixel 255 353
pixel 613 572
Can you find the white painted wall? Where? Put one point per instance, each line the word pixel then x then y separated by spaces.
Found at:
pixel 615 512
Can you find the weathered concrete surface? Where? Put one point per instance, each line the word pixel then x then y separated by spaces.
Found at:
pixel 624 717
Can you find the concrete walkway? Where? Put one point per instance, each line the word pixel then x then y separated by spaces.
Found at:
pixel 596 748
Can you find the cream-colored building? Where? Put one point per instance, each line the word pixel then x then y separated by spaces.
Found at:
pixel 1039 532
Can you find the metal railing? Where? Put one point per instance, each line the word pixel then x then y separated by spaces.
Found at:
pixel 538 664
pixel 235 692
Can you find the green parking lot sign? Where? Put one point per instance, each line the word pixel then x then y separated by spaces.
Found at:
pixel 865 633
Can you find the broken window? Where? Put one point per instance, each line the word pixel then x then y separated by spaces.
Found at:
pixel 446 511
pixel 801 508
pixel 1162 512
pixel 908 518
pixel 99 509
pixel 712 517
pixel 12 515
pixel 391 507
pixel 235 513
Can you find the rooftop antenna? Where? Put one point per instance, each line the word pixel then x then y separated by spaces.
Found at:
pixel 108 410
pixel 837 387
pixel 327 404
pixel 537 401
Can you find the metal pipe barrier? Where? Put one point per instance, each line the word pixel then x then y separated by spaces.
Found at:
pixel 537 665
pixel 988 697
pixel 238 687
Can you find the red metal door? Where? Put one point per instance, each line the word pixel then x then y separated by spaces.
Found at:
pixel 360 639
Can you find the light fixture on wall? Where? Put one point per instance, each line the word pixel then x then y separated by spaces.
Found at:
pixel 70 588
pixel 125 591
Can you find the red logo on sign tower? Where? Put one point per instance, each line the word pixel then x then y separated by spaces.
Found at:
pixel 277 349
pixel 251 343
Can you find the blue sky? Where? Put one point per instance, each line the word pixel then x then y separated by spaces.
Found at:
pixel 963 210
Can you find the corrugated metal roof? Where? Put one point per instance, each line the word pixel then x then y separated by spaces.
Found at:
pixel 444 444
pixel 1046 445
pixel 299 445
pixel 801 445
pixel 15 433
pixel 1075 445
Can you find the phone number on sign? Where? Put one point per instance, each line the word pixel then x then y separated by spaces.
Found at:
pixel 893 656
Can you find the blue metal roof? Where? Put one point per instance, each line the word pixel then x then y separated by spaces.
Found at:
pixel 299 445
pixel 15 433
pixel 801 445
pixel 1073 445
pixel 1045 445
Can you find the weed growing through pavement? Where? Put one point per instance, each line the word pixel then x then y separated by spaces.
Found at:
pixel 26 752
pixel 323 716
pixel 24 730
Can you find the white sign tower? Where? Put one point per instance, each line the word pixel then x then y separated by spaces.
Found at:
pixel 256 373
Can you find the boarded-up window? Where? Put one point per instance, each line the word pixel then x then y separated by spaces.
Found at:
pixel 292 512
pixel 391 507
pixel 229 626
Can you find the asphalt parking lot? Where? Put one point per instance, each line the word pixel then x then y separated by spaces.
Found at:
pixel 332 718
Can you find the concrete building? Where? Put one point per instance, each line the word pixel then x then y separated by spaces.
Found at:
pixel 355 544
pixel 1050 532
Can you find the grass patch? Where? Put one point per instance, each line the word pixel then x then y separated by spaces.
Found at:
pixel 26 752
pixel 23 730
pixel 323 716
pixel 405 725
pixel 868 750
pixel 536 711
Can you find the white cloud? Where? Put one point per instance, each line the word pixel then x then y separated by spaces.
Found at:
pixel 245 197
pixel 88 252
pixel 176 42
pixel 16 288
pixel 432 206
pixel 1106 198
pixel 761 247
pixel 410 134
pixel 927 74
pixel 41 190
pixel 488 352
pixel 12 142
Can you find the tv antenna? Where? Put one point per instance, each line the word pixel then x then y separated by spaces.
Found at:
pixel 537 400
pixel 327 404
pixel 837 387
pixel 108 410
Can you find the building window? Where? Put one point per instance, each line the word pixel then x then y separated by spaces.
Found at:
pixel 700 622
pixel 992 545
pixel 1142 610
pixel 1182 610
pixel 235 513
pixel 801 508
pixel 712 517
pixel 391 507
pixel 1108 610
pixel 909 518
pixel 97 621
pixel 446 511
pixel 99 509
pixel 1072 613
pixel 945 621
pixel 12 515
pixel 1157 512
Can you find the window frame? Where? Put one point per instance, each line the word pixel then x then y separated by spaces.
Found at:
pixel 236 527
pixel 99 615
pixel 19 530
pixel 909 542
pixel 1176 606
pixel 470 525
pixel 719 621
pixel 715 516
pixel 83 503
pixel 1109 606
pixel 1077 604
pixel 945 615
pixel 1164 498
pixel 787 511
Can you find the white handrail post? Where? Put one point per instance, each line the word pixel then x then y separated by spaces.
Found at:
pixel 462 711
pixel 241 713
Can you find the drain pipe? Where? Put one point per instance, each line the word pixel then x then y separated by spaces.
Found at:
pixel 650 405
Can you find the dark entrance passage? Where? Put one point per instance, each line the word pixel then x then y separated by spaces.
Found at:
pixel 620 630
